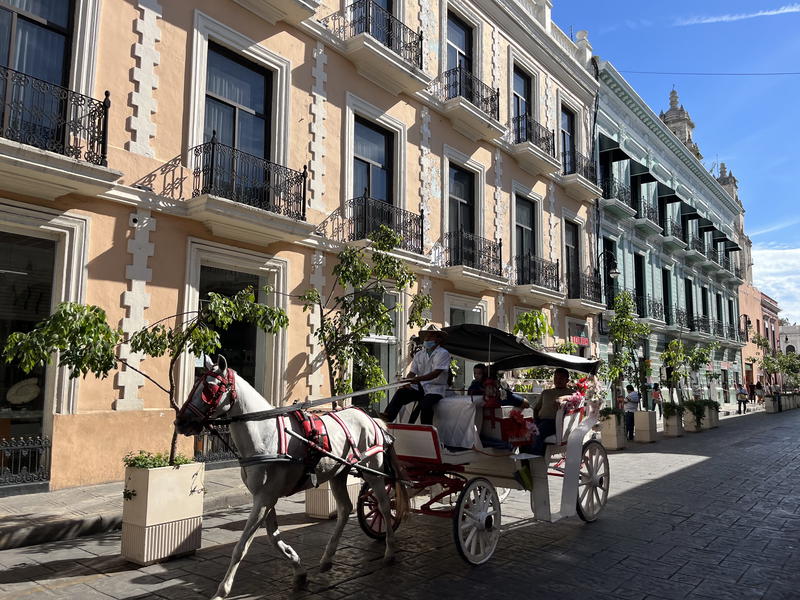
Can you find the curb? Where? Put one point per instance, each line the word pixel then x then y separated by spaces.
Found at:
pixel 69 528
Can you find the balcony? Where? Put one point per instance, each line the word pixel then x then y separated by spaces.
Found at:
pixel 54 141
pixel 696 249
pixel 677 320
pixel 647 219
pixel 717 328
pixel 360 217
pixel 383 48
pixel 579 176
pixel 534 146
pixel 673 235
pixel 235 194
pixel 701 324
pixel 291 11
pixel 473 263
pixel 617 199
pixel 471 105
pixel 537 278
pixel 584 294
pixel 653 310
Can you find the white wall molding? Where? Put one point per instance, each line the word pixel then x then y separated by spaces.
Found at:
pixel 427 25
pixel 425 286
pixel 84 46
pixel 145 80
pixel 135 300
pixel 553 253
pixel 319 114
pixel 316 356
pixel 428 177
pixel 205 29
pixel 501 312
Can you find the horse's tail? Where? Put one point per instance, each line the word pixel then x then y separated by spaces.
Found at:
pixel 401 495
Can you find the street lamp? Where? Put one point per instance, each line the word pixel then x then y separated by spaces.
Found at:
pixel 613 272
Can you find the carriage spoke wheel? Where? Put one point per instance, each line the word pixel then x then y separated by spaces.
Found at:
pixel 369 513
pixel 593 482
pixel 476 521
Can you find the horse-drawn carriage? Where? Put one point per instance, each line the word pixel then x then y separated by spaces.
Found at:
pixel 452 474
pixel 284 450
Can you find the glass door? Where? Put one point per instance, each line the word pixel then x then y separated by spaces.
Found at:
pixel 521 106
pixel 459 56
pixel 572 258
pixel 461 217
pixel 568 139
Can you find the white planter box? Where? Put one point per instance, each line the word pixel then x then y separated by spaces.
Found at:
pixel 770 405
pixel 689 423
pixel 162 512
pixel 644 426
pixel 613 435
pixel 673 426
pixel 712 416
pixel 320 502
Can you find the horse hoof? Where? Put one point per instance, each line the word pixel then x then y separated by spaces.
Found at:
pixel 300 581
pixel 326 565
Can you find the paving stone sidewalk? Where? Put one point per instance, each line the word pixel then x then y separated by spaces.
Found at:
pixel 710 516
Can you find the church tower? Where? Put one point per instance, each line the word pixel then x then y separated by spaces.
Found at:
pixel 680 123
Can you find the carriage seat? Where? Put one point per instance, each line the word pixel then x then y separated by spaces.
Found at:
pixel 565 423
pixel 421 444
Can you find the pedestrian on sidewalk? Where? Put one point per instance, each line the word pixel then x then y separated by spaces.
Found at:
pixel 776 395
pixel 657 397
pixel 631 406
pixel 741 397
pixel 759 393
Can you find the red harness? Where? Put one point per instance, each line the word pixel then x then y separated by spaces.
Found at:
pixel 211 394
pixel 314 429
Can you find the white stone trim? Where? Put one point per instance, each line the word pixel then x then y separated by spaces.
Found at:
pixel 516 58
pixel 500 206
pixel 563 99
pixel 502 322
pixel 553 250
pixel 357 106
pixel 84 46
pixel 316 355
pixel 470 16
pixel 520 189
pixel 468 303
pixel 428 177
pixel 427 25
pixel 145 80
pixel 71 232
pixel 450 154
pixel 272 348
pixel 425 286
pixel 319 114
pixel 135 300
pixel 205 29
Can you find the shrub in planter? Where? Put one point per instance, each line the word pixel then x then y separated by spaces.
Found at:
pixel 673 418
pixel 697 411
pixel 611 430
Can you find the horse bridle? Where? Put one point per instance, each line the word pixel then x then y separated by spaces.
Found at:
pixel 212 394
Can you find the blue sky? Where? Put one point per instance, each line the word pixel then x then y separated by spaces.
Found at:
pixel 750 123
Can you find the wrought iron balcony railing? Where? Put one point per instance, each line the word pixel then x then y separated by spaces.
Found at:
pixel 613 291
pixel 695 243
pixel 53 118
pixel 365 215
pixel 614 189
pixel 678 318
pixel 459 82
pixel 24 460
pixel 712 254
pixel 366 16
pixel 469 250
pixel 647 210
pixel 655 309
pixel 220 170
pixel 585 286
pixel 640 303
pixel 732 332
pixel 718 328
pixel 673 228
pixel 525 128
pixel 532 270
pixel 575 162
pixel 702 323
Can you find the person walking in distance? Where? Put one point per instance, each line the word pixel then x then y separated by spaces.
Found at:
pixel 759 393
pixel 741 398
pixel 631 405
pixel 657 398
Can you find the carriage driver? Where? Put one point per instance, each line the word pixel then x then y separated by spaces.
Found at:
pixel 427 378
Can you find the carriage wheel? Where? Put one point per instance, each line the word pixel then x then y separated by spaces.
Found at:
pixel 476 521
pixel 369 512
pixel 594 481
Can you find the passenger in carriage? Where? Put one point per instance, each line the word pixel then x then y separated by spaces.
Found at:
pixel 482 373
pixel 427 378
pixel 544 413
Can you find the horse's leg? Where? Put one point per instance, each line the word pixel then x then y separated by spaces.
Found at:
pixel 378 485
pixel 254 520
pixel 271 523
pixel 343 508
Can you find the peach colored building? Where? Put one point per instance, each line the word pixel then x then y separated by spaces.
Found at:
pixel 246 141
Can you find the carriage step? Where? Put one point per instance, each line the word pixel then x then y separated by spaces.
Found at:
pixel 525 456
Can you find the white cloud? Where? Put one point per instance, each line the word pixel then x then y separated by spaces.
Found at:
pixel 729 18
pixel 775 227
pixel 776 272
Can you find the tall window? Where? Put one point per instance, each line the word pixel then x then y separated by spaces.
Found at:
pixel 689 300
pixel 666 292
pixel 460 316
pixel 461 204
pixel 384 348
pixel 35 38
pixel 704 301
pixel 720 314
pixel 572 256
pixel 459 44
pixel 639 283
pixel 237 102
pixel 372 161
pixel 521 105
pixel 609 260
pixel 568 139
pixel 525 227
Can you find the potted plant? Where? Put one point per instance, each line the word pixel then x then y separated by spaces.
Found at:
pixel 712 413
pixel 673 419
pixel 158 524
pixel 697 412
pixel 644 426
pixel 612 431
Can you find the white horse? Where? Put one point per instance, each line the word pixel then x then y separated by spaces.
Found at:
pixel 351 432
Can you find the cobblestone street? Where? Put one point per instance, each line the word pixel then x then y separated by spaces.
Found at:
pixel 710 515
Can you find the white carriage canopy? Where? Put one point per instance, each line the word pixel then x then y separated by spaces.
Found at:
pixel 506 351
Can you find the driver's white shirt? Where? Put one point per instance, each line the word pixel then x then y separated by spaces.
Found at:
pixel 425 363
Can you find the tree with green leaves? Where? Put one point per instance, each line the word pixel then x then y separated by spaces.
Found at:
pixel 355 307
pixel 533 326
pixel 80 336
pixel 674 359
pixel 627 334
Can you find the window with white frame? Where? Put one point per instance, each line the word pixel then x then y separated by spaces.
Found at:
pixel 385 349
pixel 460 310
